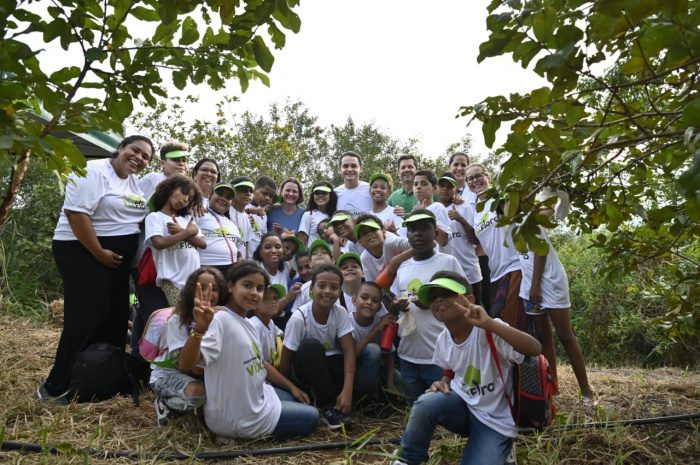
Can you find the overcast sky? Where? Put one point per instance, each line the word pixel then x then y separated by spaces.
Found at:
pixel 405 65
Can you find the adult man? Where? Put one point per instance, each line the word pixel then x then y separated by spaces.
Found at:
pixel 353 194
pixel 403 197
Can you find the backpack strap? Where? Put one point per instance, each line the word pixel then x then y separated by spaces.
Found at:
pixel 494 353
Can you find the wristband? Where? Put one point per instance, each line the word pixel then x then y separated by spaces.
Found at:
pixel 448 374
pixel 196 333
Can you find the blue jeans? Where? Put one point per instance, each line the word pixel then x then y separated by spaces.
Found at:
pixel 296 419
pixel 417 377
pixel 370 361
pixel 484 447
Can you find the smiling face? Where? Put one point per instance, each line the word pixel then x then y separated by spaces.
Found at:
pixel 367 302
pixel 244 195
pixel 422 188
pixel 352 271
pixel 290 193
pixel 320 256
pixel 269 305
pixel 407 169
pixel 220 200
pixel 421 235
pixel 326 290
pixel 204 280
pixel 380 190
pixel 442 304
pixel 477 179
pixel 290 249
pixel 371 238
pixel 171 166
pixel 132 158
pixel 206 176
pixel 446 192
pixel 246 293
pixel 458 168
pixel 350 170
pixel 344 228
pixel 321 198
pixel 271 251
pixel 263 196
pixel 304 268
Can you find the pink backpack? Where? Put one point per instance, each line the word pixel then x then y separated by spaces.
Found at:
pixel 152 343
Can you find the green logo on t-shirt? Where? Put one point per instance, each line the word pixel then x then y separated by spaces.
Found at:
pixel 472 376
pixel 413 286
pixel 255 364
pixel 134 201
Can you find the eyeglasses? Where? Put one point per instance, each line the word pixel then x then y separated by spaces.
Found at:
pixel 476 177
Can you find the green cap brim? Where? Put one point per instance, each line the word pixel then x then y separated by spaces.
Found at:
pixel 369 224
pixel 177 154
pixel 339 218
pixel 325 189
pixel 320 243
pixel 225 185
pixel 348 255
pixel 418 217
pixel 244 184
pixel 376 176
pixel 452 181
pixel 442 283
pixel 281 291
pixel 296 240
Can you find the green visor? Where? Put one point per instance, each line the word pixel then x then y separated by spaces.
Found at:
pixel 225 185
pixel 296 240
pixel 320 243
pixel 339 218
pixel 366 224
pixel 244 184
pixel 281 291
pixel 346 256
pixel 324 189
pixel 177 154
pixel 376 176
pixel 452 181
pixel 442 283
pixel 418 217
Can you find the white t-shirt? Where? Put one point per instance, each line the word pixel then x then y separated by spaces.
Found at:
pixel 477 380
pixel 239 401
pixel 554 282
pixel 115 206
pixel 176 262
pixel 351 246
pixel 280 277
pixel 356 201
pixel 267 336
pixel 309 224
pixel 418 346
pixel 245 230
pixel 443 224
pixel 149 182
pixel 175 338
pixel 462 249
pixel 258 227
pixel 372 266
pixel 502 259
pixel 222 238
pixel 303 297
pixel 388 216
pixel 302 325
pixel 360 332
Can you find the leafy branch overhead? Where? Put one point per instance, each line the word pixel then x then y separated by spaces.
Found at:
pixel 617 126
pixel 114 52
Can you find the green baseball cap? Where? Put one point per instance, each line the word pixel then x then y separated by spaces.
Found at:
pixel 383 176
pixel 339 218
pixel 452 181
pixel 428 215
pixel 441 283
pixel 346 256
pixel 320 243
pixel 178 154
pixel 369 224
pixel 323 188
pixel 244 184
pixel 225 185
pixel 296 240
pixel 281 291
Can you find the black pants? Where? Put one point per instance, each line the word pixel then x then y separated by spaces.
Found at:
pixel 151 298
pixel 96 302
pixel 325 374
pixel 486 279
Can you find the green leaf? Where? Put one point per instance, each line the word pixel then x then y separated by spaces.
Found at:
pixel 489 129
pixel 6 142
pixel 262 54
pixel 521 126
pixel 190 34
pixel 95 54
pixel 548 136
pixel 286 16
pixel 543 24
pixel 574 114
pixel 167 10
pixel 65 74
pixel 145 14
pixel 614 217
pixel 539 97
pixel 691 113
pixel 511 205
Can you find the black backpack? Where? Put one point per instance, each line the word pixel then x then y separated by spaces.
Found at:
pixel 100 372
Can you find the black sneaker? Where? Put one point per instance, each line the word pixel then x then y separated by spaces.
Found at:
pixel 43 395
pixel 335 419
pixel 162 411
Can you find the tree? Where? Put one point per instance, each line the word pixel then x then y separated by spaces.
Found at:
pixel 205 41
pixel 622 139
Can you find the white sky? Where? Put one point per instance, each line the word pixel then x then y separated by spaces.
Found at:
pixel 405 65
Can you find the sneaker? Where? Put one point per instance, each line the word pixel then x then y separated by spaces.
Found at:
pixel 335 419
pixel 589 402
pixel 511 459
pixel 43 395
pixel 162 411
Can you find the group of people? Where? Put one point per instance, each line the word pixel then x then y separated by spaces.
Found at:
pixel 278 310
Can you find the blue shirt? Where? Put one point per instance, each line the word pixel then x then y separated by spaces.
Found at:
pixel 290 222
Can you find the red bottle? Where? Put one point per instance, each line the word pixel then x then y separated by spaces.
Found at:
pixel 388 336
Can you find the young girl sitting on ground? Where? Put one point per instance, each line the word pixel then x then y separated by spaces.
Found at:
pixel 268 332
pixel 320 351
pixel 177 390
pixel 469 400
pixel 173 235
pixel 239 402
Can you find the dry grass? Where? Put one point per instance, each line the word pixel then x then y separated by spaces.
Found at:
pixel 28 350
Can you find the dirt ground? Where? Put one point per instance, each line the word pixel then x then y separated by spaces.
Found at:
pixel 117 425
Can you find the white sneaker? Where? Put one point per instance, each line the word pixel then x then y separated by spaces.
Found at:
pixel 162 411
pixel 511 459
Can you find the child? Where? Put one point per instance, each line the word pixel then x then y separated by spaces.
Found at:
pixel 304 271
pixel 369 320
pixel 418 329
pixel 219 231
pixel 177 390
pixel 268 333
pixel 463 236
pixel 239 402
pixel 478 407
pixel 269 256
pixel 379 247
pixel 244 195
pixel 351 268
pixel 321 205
pixel 424 187
pixel 380 187
pixel 319 254
pixel 319 347
pixel 173 235
pixel 263 194
pixel 344 239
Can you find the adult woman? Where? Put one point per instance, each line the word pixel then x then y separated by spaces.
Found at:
pixel 219 231
pixel 287 215
pixel 206 173
pixel 94 243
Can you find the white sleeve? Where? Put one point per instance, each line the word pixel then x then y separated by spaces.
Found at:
pixel 344 323
pixel 504 349
pixel 438 357
pixel 154 227
pixel 210 347
pixel 443 221
pixel 84 194
pixel 294 331
pixel 175 334
pixel 305 223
